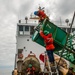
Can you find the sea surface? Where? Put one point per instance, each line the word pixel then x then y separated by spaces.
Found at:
pixel 6 70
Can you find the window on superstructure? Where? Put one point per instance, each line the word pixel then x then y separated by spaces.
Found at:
pixel 31 30
pixel 21 30
pixel 73 29
pixel 20 51
pixel 26 28
pixel 64 29
pixel 68 29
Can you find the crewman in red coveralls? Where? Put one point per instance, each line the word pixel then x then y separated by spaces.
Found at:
pixel 30 70
pixel 48 40
pixel 40 13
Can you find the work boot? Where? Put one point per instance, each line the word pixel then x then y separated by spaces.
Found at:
pixel 47 68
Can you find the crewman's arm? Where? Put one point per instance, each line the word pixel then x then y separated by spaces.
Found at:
pixel 42 34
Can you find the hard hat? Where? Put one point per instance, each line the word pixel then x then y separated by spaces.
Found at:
pixel 36 13
pixel 46 32
pixel 30 65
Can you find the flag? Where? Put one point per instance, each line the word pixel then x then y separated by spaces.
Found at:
pixel 43 57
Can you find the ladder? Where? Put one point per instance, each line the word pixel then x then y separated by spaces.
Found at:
pixel 48 69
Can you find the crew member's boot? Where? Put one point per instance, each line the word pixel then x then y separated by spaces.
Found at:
pixel 52 64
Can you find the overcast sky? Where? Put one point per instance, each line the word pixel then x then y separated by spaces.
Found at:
pixel 13 10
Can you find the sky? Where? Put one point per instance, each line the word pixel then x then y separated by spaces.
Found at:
pixel 13 10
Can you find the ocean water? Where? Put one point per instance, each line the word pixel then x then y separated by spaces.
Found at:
pixel 6 70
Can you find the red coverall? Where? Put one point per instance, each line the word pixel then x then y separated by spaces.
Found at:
pixel 41 15
pixel 49 45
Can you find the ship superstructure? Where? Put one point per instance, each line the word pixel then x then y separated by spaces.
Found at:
pixel 24 38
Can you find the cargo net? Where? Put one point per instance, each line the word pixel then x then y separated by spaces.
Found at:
pixel 71 41
pixel 69 51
